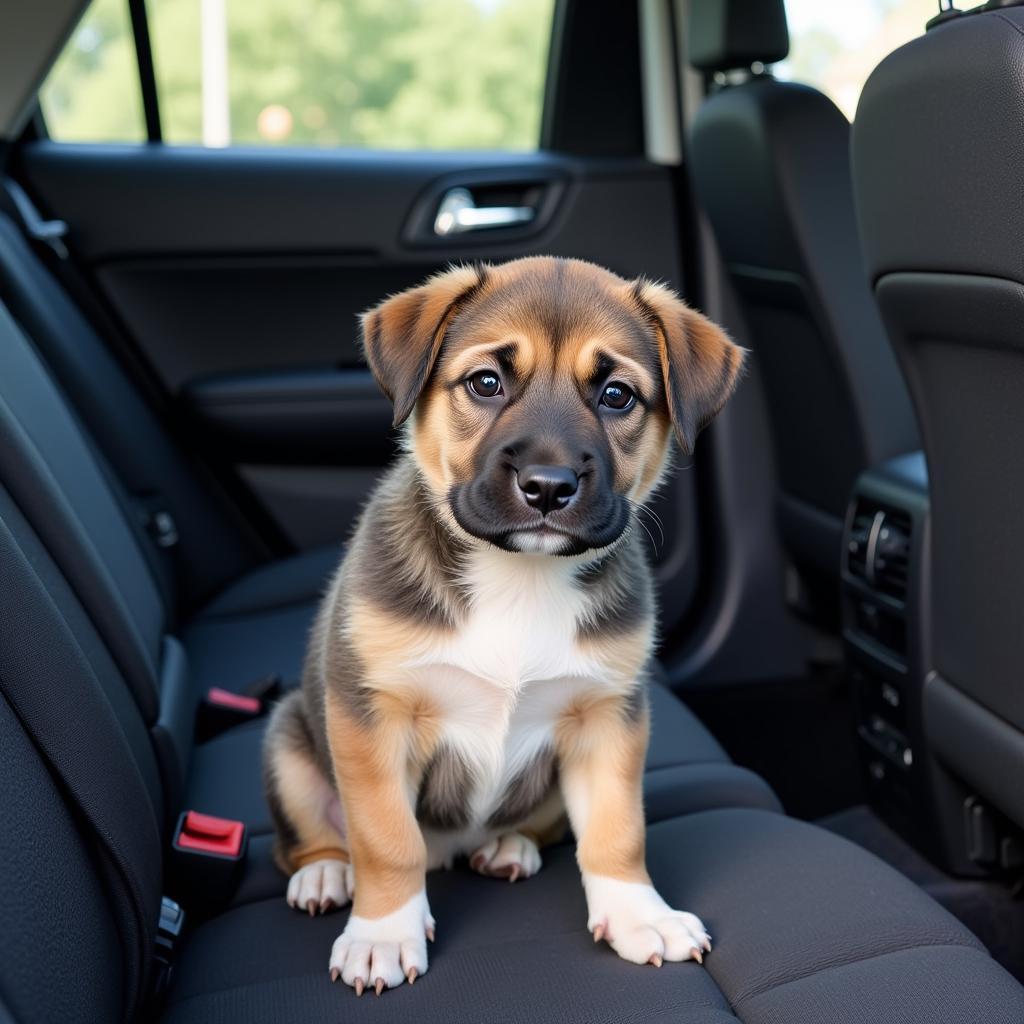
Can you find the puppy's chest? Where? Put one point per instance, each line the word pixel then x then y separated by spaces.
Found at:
pixel 501 682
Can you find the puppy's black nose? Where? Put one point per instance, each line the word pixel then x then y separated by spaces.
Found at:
pixel 547 487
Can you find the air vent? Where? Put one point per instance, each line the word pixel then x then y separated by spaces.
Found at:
pixel 892 554
pixel 857 541
pixel 878 547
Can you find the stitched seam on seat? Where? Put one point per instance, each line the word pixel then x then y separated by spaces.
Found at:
pixel 245 613
pixel 689 764
pixel 859 960
pixel 1016 28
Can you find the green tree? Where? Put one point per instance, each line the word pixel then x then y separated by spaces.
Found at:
pixel 412 74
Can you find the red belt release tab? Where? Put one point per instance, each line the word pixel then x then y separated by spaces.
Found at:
pixel 236 701
pixel 208 834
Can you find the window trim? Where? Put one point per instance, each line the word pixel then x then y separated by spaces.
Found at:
pixel 147 70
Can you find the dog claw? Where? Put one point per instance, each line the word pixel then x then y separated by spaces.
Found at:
pixel 655 959
pixel 430 934
pixel 311 907
pixel 514 873
pixel 335 974
pixel 326 905
pixel 697 955
pixel 360 985
pixel 599 933
pixel 411 975
pixel 378 986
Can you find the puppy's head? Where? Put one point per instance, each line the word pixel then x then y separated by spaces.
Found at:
pixel 544 394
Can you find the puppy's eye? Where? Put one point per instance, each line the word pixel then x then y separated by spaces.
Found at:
pixel 618 396
pixel 485 384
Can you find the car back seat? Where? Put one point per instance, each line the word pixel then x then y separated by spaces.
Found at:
pixel 807 926
pixel 802 919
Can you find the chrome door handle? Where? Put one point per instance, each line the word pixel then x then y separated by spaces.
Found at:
pixel 458 213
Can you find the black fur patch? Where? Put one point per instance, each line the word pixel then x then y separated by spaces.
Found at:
pixel 620 592
pixel 443 800
pixel 526 791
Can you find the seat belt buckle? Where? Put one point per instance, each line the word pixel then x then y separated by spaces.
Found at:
pixel 207 855
pixel 168 933
pixel 221 710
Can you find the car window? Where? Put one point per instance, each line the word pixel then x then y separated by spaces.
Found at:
pixel 835 46
pixel 405 74
pixel 92 93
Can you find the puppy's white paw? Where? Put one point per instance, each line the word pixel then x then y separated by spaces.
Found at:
pixel 320 886
pixel 639 925
pixel 509 856
pixel 382 952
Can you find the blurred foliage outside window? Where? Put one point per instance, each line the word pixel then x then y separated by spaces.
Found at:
pixel 382 74
pixel 835 46
pixel 92 93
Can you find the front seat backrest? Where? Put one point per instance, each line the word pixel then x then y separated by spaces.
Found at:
pixel 770 163
pixel 938 160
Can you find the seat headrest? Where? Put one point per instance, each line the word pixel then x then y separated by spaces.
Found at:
pixel 726 34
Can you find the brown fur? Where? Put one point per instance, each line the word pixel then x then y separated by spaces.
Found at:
pixel 370 729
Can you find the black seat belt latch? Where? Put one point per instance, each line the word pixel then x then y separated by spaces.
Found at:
pixel 168 932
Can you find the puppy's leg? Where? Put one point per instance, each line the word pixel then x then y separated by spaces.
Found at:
pixel 602 759
pixel 384 942
pixel 310 844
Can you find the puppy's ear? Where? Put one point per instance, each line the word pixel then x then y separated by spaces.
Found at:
pixel 402 336
pixel 699 363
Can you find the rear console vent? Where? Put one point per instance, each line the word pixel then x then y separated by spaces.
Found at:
pixel 892 554
pixel 857 541
pixel 878 547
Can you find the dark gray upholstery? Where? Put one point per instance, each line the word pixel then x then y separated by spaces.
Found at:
pixel 726 34
pixel 809 929
pixel 770 163
pixel 944 255
pixel 146 460
pixel 58 481
pixel 258 626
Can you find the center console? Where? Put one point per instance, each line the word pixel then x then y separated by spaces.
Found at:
pixel 885 621
pixel 884 581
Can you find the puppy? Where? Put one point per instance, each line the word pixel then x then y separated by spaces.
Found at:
pixel 476 671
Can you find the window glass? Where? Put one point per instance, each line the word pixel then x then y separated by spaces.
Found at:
pixel 386 74
pixel 92 94
pixel 835 46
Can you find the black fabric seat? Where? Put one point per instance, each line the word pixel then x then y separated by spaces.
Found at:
pixel 945 259
pixel 770 165
pixel 809 929
pixel 259 624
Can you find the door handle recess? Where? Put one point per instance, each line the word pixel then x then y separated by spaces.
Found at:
pixel 458 213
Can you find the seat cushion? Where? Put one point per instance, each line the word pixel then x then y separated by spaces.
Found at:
pixel 258 626
pixel 686 771
pixel 807 927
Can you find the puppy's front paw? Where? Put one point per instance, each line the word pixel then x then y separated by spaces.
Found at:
pixel 382 952
pixel 509 856
pixel 320 886
pixel 639 925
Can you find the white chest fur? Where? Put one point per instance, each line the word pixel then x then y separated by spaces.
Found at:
pixel 502 680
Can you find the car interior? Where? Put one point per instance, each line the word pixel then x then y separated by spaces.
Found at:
pixel 835 780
